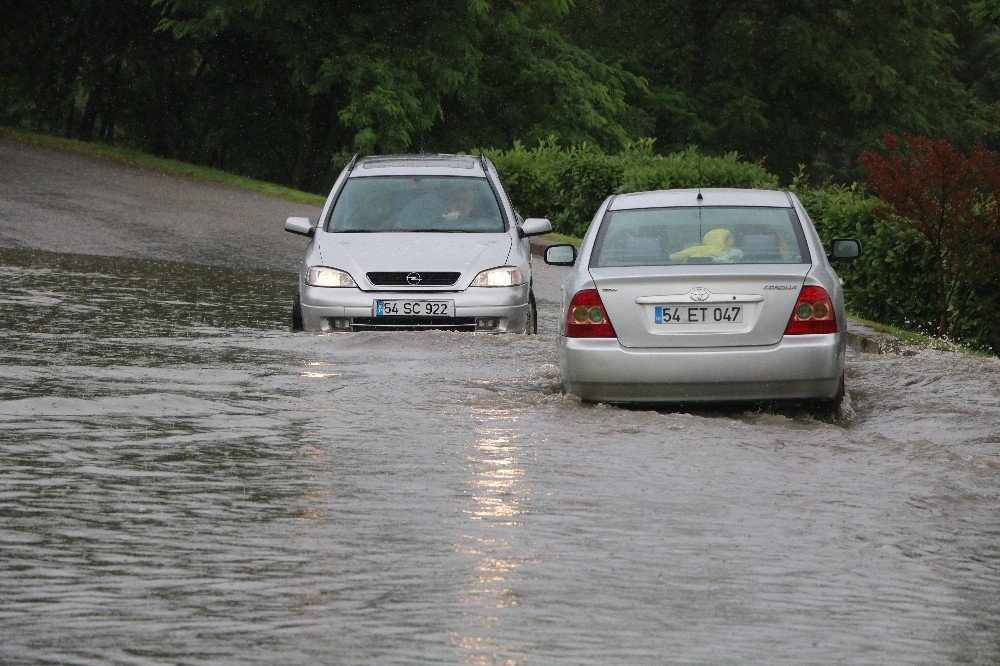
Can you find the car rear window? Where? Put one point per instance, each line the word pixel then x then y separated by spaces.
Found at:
pixel 416 203
pixel 700 235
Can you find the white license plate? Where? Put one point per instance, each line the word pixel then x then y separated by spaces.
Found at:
pixel 698 314
pixel 414 308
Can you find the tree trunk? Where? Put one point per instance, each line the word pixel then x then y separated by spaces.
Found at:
pixel 305 144
pixel 313 131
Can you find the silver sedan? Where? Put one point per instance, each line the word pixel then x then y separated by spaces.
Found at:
pixel 417 241
pixel 703 295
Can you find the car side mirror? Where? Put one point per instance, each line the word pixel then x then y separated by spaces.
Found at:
pixel 300 225
pixel 842 249
pixel 560 255
pixel 534 226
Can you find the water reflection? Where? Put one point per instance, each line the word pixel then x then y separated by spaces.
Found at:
pixel 499 494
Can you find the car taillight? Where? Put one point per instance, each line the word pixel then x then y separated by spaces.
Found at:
pixel 813 313
pixel 587 317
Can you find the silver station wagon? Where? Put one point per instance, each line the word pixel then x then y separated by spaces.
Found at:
pixel 417 241
pixel 703 295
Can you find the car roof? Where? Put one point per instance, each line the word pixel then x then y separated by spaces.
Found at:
pixel 711 196
pixel 426 165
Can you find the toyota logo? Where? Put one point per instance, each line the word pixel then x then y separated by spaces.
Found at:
pixel 414 279
pixel 699 294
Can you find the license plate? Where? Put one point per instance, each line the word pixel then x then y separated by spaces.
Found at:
pixel 414 308
pixel 698 314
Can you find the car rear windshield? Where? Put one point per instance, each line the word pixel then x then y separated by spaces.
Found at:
pixel 416 203
pixel 700 235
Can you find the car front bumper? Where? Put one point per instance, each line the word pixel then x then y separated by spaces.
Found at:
pixel 488 309
pixel 800 367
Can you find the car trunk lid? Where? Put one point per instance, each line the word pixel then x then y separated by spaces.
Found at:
pixel 699 306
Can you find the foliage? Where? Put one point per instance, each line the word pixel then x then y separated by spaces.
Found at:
pixel 568 184
pixel 803 81
pixel 886 283
pixel 951 201
pixel 272 89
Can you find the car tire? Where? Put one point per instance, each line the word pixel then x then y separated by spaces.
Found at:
pixel 830 407
pixel 531 324
pixel 297 324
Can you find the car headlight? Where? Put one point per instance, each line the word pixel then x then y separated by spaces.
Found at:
pixel 328 277
pixel 508 276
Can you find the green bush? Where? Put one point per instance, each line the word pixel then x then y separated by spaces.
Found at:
pixel 567 185
pixel 893 281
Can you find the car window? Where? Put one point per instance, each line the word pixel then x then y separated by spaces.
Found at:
pixel 700 235
pixel 416 203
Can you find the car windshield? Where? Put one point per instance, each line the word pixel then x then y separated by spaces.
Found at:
pixel 700 235
pixel 417 203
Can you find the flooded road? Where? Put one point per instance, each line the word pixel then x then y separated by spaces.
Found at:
pixel 183 480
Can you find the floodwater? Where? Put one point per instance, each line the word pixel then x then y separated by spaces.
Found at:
pixel 183 480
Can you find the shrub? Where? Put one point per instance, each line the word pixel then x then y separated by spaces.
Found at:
pixel 567 185
pixel 888 283
pixel 951 201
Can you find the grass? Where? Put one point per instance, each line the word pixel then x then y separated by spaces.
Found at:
pixel 563 238
pixel 919 340
pixel 136 158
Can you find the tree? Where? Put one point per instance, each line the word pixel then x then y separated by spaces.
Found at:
pixel 793 81
pixel 952 201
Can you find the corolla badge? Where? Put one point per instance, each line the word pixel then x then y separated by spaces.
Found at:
pixel 699 294
pixel 414 278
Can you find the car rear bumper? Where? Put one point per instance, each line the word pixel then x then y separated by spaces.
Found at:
pixel 508 306
pixel 799 367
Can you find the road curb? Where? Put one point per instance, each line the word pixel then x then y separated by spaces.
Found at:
pixel 539 245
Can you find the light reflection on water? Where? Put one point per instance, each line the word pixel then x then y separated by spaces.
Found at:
pixel 182 480
pixel 497 487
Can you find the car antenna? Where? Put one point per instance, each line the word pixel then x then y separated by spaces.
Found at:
pixel 700 198
pixel 482 160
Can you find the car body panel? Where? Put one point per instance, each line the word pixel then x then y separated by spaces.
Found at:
pixel 765 297
pixel 799 367
pixel 359 254
pixel 697 362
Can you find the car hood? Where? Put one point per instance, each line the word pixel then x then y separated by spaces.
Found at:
pixel 468 254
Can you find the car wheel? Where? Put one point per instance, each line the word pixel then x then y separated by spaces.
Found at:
pixel 830 407
pixel 531 325
pixel 297 312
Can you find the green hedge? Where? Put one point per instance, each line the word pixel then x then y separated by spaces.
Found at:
pixel 567 185
pixel 893 281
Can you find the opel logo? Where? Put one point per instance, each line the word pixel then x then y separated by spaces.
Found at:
pixel 414 279
pixel 699 294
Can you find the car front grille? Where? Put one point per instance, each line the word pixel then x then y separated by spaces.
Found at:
pixel 413 279
pixel 414 323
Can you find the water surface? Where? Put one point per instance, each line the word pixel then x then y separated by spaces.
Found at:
pixel 184 480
